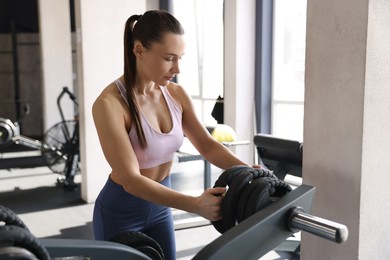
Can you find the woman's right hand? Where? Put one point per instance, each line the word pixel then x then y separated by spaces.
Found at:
pixel 209 203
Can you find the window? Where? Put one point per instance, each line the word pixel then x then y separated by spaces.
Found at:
pixel 288 69
pixel 202 65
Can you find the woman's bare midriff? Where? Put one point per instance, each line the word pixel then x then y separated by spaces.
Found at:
pixel 158 173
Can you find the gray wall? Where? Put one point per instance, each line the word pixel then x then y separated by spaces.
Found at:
pixel 347 126
pixel 29 77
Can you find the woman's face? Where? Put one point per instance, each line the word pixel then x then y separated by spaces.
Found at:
pixel 160 63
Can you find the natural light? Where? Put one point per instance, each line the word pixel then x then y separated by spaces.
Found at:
pixel 202 65
pixel 289 36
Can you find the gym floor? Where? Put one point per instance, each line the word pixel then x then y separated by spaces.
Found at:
pixel 51 212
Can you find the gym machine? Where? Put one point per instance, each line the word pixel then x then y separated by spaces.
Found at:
pixel 269 227
pixel 266 229
pixel 59 147
pixel 250 238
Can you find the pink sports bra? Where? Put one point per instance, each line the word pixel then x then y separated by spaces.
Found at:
pixel 161 146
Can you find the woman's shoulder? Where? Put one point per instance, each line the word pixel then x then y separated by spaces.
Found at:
pixel 110 105
pixel 109 96
pixel 180 95
pixel 176 90
pixel 108 92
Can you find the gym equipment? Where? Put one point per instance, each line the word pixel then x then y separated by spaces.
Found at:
pixel 10 218
pixel 141 242
pixel 282 156
pixel 250 238
pixel 16 240
pixel 7 131
pixel 222 133
pixel 239 179
pixel 259 212
pixel 261 193
pixel 267 228
pixel 59 147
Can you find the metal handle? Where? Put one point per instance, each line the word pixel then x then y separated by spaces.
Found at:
pixel 324 228
pixel 28 142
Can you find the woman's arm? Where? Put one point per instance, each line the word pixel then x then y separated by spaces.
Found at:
pixel 212 150
pixel 110 122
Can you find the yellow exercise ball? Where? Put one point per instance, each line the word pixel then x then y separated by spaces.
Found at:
pixel 223 133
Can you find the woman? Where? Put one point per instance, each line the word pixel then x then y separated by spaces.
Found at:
pixel 141 119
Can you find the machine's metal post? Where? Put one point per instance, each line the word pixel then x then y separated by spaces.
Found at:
pixel 28 142
pixel 324 228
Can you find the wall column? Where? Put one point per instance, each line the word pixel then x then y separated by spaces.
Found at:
pixel 99 32
pixel 239 73
pixel 347 126
pixel 56 53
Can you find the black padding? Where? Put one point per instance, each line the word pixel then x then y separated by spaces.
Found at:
pixel 10 218
pixel 141 242
pixel 15 236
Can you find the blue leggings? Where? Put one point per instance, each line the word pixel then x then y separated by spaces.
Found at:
pixel 117 211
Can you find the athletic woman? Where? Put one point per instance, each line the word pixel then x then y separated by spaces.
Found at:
pixel 141 119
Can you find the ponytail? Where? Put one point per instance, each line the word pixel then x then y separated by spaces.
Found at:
pixel 148 28
pixel 129 77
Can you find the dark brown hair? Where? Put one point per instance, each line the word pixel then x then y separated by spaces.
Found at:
pixel 148 28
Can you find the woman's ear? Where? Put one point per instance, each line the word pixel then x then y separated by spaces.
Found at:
pixel 138 49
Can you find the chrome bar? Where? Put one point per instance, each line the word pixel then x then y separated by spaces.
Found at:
pixel 28 142
pixel 299 220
